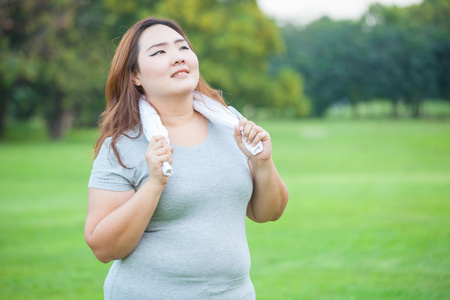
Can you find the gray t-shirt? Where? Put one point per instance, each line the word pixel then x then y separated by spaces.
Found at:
pixel 195 246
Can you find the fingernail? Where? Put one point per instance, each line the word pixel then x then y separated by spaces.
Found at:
pixel 241 128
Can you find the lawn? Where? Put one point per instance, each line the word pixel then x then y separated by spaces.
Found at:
pixel 368 217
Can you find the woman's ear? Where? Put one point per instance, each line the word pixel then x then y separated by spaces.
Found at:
pixel 135 79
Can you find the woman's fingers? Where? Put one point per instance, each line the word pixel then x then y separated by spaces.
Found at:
pixel 247 127
pixel 251 132
pixel 164 154
pixel 157 141
pixel 260 136
pixel 158 152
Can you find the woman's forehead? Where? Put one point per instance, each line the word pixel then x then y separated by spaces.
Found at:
pixel 158 34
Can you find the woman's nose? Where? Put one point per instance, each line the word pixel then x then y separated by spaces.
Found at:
pixel 178 59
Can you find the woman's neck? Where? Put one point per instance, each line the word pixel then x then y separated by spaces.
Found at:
pixel 175 111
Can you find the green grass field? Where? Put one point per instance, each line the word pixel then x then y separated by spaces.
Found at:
pixel 368 217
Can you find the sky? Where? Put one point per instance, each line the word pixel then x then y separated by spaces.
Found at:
pixel 305 11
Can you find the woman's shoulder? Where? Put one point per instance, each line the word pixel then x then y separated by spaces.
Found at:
pixel 130 145
pixel 126 138
pixel 235 111
pixel 108 173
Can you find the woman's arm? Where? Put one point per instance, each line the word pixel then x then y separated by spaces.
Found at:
pixel 116 221
pixel 270 194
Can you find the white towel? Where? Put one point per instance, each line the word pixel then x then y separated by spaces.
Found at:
pixel 151 124
pixel 209 108
pixel 220 114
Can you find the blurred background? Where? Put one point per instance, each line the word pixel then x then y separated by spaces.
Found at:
pixel 356 96
pixel 389 60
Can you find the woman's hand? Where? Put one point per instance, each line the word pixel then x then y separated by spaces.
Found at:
pixel 158 152
pixel 270 194
pixel 253 134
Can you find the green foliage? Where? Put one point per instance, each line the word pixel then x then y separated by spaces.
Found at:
pixel 328 54
pixel 367 216
pixel 54 64
pixel 397 53
pixel 233 40
pixel 288 98
pixel 59 62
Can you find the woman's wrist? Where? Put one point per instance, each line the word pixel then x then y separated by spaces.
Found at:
pixel 258 164
pixel 154 184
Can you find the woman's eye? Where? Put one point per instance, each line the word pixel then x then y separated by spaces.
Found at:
pixel 158 52
pixel 184 48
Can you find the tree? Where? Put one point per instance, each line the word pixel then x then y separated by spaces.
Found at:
pixel 287 97
pixel 328 54
pixel 391 52
pixel 52 54
pixel 402 57
pixel 54 64
pixel 435 13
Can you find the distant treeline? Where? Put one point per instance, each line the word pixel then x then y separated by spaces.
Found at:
pixel 54 56
pixel 400 54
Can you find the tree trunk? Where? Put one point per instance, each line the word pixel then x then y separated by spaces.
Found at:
pixel 61 120
pixel 3 104
pixel 62 123
pixel 416 109
pixel 355 112
pixel 395 109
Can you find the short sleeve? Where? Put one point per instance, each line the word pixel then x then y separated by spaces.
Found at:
pixel 234 111
pixel 107 173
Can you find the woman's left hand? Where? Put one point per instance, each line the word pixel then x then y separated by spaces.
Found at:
pixel 253 133
pixel 270 194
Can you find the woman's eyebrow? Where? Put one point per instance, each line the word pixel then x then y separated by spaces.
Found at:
pixel 165 44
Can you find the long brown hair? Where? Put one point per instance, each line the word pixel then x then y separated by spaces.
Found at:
pixel 122 96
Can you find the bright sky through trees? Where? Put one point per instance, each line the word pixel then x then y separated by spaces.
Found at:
pixel 305 11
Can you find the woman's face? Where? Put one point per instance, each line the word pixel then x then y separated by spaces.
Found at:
pixel 167 65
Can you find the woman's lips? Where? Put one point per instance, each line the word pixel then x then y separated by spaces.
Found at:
pixel 180 73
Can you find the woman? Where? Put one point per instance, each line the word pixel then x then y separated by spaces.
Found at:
pixel 178 237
